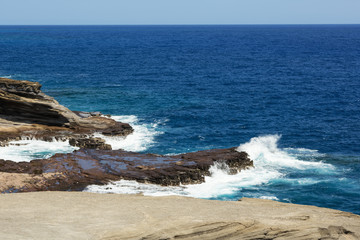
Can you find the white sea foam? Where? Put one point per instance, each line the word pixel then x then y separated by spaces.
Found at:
pixel 133 187
pixel 218 184
pixel 27 150
pixel 269 198
pixel 265 152
pixel 270 163
pixel 7 76
pixel 141 139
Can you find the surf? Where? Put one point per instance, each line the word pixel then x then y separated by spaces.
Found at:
pixel 271 164
pixel 140 140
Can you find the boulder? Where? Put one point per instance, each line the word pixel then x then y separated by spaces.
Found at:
pixel 90 143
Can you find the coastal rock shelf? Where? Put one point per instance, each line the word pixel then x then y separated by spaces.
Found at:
pixel 75 171
pixel 73 215
pixel 25 111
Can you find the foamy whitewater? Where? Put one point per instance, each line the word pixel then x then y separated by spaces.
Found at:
pixel 270 163
pixel 141 139
pixel 27 150
pixel 212 87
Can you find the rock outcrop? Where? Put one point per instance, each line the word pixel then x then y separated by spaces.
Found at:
pixel 26 111
pixel 75 171
pixel 71 215
pixel 90 143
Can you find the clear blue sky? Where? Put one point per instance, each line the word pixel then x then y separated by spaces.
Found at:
pixel 179 12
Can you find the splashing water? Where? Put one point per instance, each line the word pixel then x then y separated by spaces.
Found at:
pixel 141 139
pixel 27 150
pixel 265 152
pixel 270 163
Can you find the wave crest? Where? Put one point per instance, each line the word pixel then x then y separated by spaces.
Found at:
pixel 140 140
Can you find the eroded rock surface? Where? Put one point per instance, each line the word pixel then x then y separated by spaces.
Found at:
pixel 90 143
pixel 74 215
pixel 26 111
pixel 75 171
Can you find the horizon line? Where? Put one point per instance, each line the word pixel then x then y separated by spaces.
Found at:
pixel 185 24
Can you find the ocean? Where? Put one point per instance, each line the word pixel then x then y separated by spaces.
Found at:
pixel 289 95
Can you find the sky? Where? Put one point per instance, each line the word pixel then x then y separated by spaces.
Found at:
pixel 135 12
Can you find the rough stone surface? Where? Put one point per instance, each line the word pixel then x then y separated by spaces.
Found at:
pixel 90 143
pixel 74 215
pixel 75 171
pixel 26 111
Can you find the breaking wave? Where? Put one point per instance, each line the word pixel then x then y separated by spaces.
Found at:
pixel 270 161
pixel 27 150
pixel 140 140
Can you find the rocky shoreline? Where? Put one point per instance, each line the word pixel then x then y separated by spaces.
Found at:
pixel 26 112
pixel 74 171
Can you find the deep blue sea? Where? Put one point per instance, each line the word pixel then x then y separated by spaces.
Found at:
pixel 289 95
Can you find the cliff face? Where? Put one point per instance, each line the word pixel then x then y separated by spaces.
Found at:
pixel 23 101
pixel 24 107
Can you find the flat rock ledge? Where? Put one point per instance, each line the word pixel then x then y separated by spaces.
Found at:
pixel 81 215
pixel 25 111
pixel 74 171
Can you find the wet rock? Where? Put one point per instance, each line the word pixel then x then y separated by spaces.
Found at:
pixel 75 171
pixel 82 114
pixel 90 143
pixel 118 129
pixel 95 114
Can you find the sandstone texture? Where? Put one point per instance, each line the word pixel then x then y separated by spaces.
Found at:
pixel 26 111
pixel 75 171
pixel 80 215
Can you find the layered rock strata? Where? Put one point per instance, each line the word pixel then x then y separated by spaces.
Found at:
pixel 75 171
pixel 26 111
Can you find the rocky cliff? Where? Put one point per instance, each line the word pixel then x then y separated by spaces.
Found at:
pixel 26 111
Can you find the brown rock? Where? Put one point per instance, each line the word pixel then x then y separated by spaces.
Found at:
pixel 26 111
pixel 81 168
pixel 90 143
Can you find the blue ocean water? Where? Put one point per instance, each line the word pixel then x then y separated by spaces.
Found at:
pixel 192 88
